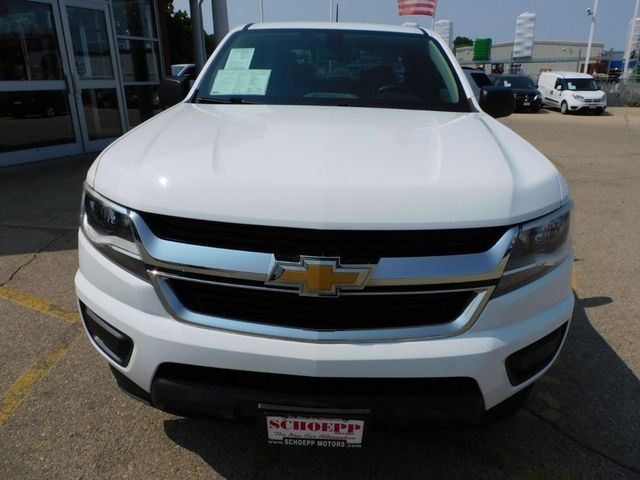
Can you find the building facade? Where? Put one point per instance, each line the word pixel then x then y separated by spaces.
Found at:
pixel 546 56
pixel 76 74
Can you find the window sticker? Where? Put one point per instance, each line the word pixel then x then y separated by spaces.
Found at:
pixel 571 86
pixel 507 83
pixel 239 59
pixel 241 82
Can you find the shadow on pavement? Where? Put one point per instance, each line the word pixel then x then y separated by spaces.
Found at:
pixel 41 202
pixel 581 421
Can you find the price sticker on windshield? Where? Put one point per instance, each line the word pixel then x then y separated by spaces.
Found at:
pixel 241 82
pixel 239 59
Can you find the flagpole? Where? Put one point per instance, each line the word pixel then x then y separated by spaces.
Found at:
pixel 261 5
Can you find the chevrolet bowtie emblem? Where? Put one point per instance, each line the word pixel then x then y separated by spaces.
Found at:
pixel 318 276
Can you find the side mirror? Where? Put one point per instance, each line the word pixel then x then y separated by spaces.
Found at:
pixel 559 88
pixel 172 90
pixel 497 101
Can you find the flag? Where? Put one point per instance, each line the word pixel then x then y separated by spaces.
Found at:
pixel 417 7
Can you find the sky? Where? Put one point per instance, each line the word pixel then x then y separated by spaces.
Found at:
pixel 556 19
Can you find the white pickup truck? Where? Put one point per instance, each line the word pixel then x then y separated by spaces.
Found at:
pixel 328 230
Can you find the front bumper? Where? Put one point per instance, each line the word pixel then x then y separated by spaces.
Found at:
pixel 508 324
pixel 530 104
pixel 578 106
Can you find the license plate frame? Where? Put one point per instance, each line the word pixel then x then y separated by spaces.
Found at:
pixel 526 104
pixel 315 427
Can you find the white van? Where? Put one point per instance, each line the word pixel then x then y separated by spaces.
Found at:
pixel 571 92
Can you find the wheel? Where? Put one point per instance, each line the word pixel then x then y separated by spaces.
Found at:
pixel 564 108
pixel 508 407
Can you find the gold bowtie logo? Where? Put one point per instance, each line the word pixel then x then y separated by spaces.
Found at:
pixel 318 276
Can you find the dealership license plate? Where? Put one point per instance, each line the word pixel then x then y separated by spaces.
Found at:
pixel 592 106
pixel 314 431
pixel 526 104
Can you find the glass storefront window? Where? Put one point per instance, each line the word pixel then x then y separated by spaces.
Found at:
pixel 139 60
pixel 134 18
pixel 90 43
pixel 34 119
pixel 101 113
pixel 28 45
pixel 143 102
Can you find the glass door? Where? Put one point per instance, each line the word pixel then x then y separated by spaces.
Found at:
pixel 95 85
pixel 38 117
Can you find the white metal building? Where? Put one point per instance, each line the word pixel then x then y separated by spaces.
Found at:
pixel 547 55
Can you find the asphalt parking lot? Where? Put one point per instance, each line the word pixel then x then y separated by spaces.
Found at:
pixel 62 416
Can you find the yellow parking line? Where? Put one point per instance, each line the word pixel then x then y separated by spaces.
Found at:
pixel 574 279
pixel 16 393
pixel 37 304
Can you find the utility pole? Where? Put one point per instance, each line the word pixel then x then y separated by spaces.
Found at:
pixel 627 54
pixel 593 14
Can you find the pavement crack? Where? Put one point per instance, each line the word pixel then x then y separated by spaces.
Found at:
pixel 584 445
pixel 33 257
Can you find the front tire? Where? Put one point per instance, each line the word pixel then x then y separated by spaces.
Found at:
pixel 564 108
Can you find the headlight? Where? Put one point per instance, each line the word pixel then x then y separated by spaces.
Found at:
pixel 536 97
pixel 108 227
pixel 541 246
pixel 577 97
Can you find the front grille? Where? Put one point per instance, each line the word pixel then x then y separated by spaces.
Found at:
pixel 346 312
pixel 352 246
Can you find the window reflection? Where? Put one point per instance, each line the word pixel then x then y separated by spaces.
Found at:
pixel 101 112
pixel 28 44
pixel 34 119
pixel 90 43
pixel 139 60
pixel 142 102
pixel 134 18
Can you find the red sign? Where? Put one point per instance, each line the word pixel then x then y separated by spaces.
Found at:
pixel 417 7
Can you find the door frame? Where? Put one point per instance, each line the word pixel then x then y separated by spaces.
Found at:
pixel 78 84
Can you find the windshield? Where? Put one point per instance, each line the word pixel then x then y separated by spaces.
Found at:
pixel 515 82
pixel 333 67
pixel 582 84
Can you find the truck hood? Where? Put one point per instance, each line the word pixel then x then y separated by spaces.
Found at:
pixel 329 167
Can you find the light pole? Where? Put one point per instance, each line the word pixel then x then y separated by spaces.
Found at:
pixel 593 14
pixel 627 54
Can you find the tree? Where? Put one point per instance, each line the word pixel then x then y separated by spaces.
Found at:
pixel 462 42
pixel 179 31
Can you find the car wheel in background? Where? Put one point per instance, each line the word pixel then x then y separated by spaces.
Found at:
pixel 564 108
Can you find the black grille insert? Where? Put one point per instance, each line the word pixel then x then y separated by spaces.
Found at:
pixel 347 312
pixel 352 246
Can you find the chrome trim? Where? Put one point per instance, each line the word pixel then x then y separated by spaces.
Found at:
pixel 242 265
pixel 461 324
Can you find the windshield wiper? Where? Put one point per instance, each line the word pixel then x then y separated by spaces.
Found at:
pixel 230 100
